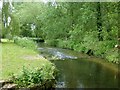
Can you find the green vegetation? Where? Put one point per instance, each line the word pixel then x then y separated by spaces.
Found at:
pixel 15 57
pixel 25 42
pixel 91 28
pixel 25 67
pixel 44 76
pixel 0 60
pixel 87 27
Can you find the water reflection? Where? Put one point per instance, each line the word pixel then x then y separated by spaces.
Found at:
pixel 85 74
pixel 81 72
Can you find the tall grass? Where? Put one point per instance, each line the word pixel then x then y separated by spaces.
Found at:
pixel 25 42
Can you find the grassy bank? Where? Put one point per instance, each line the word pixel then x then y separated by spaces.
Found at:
pixel 103 49
pixel 15 57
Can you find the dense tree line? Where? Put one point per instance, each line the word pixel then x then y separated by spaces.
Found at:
pixel 91 28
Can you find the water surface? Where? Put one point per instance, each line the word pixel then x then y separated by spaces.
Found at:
pixel 81 73
pixel 78 70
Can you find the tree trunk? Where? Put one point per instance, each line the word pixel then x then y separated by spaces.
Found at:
pixel 119 20
pixel 99 21
pixel 71 14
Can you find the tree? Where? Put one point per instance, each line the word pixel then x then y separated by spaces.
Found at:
pixel 82 26
pixel 99 21
pixel 1 3
pixel 9 22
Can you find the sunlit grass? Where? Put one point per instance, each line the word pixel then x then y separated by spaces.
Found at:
pixel 14 58
pixel 0 60
pixel 6 40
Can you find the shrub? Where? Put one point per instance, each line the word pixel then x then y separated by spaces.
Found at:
pixel 62 43
pixel 79 47
pixel 102 47
pixel 112 56
pixel 51 42
pixel 39 76
pixel 25 42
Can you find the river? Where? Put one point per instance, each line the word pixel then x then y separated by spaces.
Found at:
pixel 77 70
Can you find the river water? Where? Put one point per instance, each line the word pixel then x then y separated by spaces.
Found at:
pixel 78 70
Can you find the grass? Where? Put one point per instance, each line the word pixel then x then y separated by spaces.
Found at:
pixel 0 60
pixel 15 57
pixel 6 40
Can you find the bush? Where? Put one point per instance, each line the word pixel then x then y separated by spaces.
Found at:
pixel 79 47
pixel 112 56
pixel 62 43
pixel 102 47
pixel 38 76
pixel 51 42
pixel 25 42
pixel 68 44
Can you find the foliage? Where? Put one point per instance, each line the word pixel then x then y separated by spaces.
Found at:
pixel 18 57
pixel 62 43
pixel 25 42
pixel 51 42
pixel 103 47
pixel 82 26
pixel 10 24
pixel 112 56
pixel 31 77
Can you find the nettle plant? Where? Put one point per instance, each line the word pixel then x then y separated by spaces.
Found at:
pixel 37 76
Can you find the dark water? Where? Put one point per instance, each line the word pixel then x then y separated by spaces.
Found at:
pixel 81 72
pixel 84 74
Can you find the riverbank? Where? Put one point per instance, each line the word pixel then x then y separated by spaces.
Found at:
pixel 55 53
pixel 82 72
pixel 14 58
pixel 17 61
pixel 102 49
